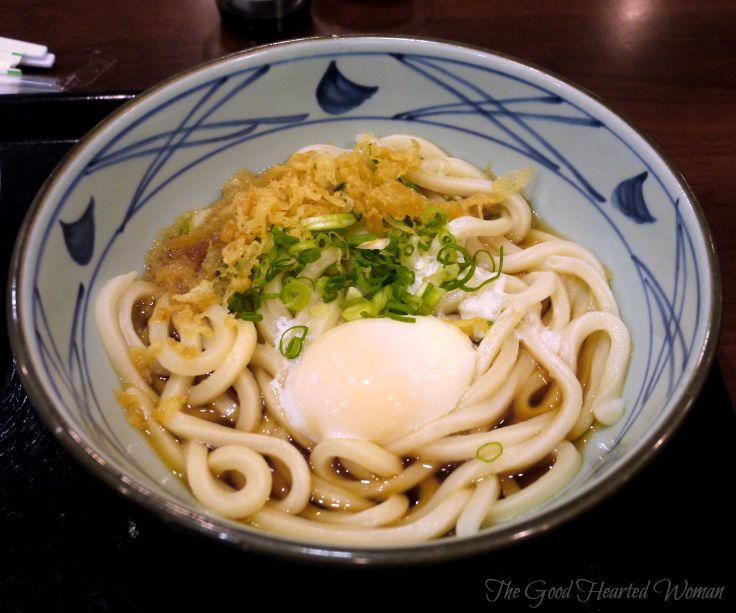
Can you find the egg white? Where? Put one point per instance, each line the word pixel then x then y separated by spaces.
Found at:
pixel 376 379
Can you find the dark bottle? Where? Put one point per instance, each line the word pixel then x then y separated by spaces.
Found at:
pixel 260 9
pixel 266 19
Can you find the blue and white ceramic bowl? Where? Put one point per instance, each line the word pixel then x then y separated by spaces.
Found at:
pixel 600 183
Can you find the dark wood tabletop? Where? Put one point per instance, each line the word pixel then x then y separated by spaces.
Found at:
pixel 668 65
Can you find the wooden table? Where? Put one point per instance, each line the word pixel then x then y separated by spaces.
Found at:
pixel 669 65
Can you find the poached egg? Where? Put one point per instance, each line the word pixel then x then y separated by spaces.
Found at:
pixel 377 379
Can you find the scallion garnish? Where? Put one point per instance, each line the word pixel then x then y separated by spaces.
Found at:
pixel 280 237
pixel 357 310
pixel 433 218
pixel 300 246
pixel 322 241
pixel 367 282
pixel 489 452
pixel 411 185
pixel 295 341
pixel 447 256
pixel 432 295
pixel 497 273
pixel 295 293
pixel 329 222
pixel 395 223
pixel 358 239
pixel 245 304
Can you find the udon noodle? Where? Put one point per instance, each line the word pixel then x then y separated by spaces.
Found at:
pixel 395 259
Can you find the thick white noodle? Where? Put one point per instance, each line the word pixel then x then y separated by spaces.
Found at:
pixel 236 504
pixel 464 447
pixel 107 319
pixel 566 466
pixel 249 401
pixel 220 380
pixel 387 512
pixel 608 407
pixel 485 495
pixel 175 355
pixel 137 291
pixel 215 435
pixel 364 453
pixel 432 525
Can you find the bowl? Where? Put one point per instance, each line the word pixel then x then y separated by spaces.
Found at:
pixel 600 183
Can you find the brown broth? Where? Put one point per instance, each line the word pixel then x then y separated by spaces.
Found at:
pixel 208 413
pixel 142 311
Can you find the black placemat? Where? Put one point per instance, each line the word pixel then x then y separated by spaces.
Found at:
pixel 68 543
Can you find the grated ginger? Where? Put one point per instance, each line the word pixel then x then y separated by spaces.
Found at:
pixel 168 408
pixel 142 359
pixel 132 408
pixel 474 327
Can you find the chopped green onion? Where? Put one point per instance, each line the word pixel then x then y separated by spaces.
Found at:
pixel 489 452
pixel 245 304
pixel 497 274
pixel 353 293
pixel 445 238
pixel 399 307
pixel 359 238
pixel 399 225
pixel 368 282
pixel 306 280
pixel 450 272
pixel 329 222
pixel 434 214
pixel 302 246
pixel 380 299
pixel 322 241
pixel 295 294
pixel 331 286
pixel 309 255
pixel 424 243
pixel 405 276
pixel 500 262
pixel 356 311
pixel 294 346
pixel 282 238
pixel 447 256
pixel 339 187
pixel 411 185
pixel 432 295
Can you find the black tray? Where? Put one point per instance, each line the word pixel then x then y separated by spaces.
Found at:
pixel 68 543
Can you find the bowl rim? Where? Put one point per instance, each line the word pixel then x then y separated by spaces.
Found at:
pixel 263 542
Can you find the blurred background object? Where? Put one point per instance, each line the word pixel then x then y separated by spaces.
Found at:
pixel 259 9
pixel 15 53
pixel 265 20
